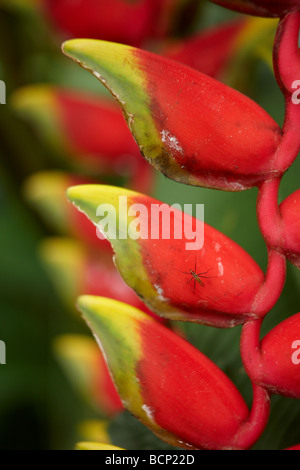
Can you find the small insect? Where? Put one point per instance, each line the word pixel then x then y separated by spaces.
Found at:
pixel 196 277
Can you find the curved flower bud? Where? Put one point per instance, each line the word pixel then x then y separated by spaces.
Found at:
pixel 86 369
pixel 46 192
pixel 95 446
pixel 215 282
pixel 190 127
pixel 275 364
pixel 75 270
pixel 280 350
pixel 290 212
pixel 271 8
pixel 90 131
pixel 183 397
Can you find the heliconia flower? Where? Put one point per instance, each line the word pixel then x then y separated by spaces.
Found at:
pixel 271 8
pixel 131 22
pixel 290 212
pixel 159 265
pixel 183 397
pixel 46 192
pixel 189 126
pixel 276 365
pixel 95 446
pixel 86 369
pixel 76 270
pixel 90 131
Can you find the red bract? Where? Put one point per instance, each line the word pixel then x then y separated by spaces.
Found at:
pixel 164 381
pixel 222 135
pixel 280 225
pixel 281 358
pixel 261 7
pixel 230 283
pixel 275 365
pixel 222 138
pixel 290 212
pixel 206 410
pixel 230 287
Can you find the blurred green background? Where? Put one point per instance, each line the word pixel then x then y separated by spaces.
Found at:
pixel 38 407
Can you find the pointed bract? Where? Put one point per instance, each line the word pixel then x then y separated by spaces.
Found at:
pixel 280 350
pixel 148 362
pixel 159 268
pixel 290 212
pixel 190 127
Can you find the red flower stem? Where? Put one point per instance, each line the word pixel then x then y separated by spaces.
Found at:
pixel 252 429
pixel 286 58
pixel 271 289
pixel 268 213
pixel 287 71
pixel 253 363
pixel 250 349
pixel 286 55
pixel 289 146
